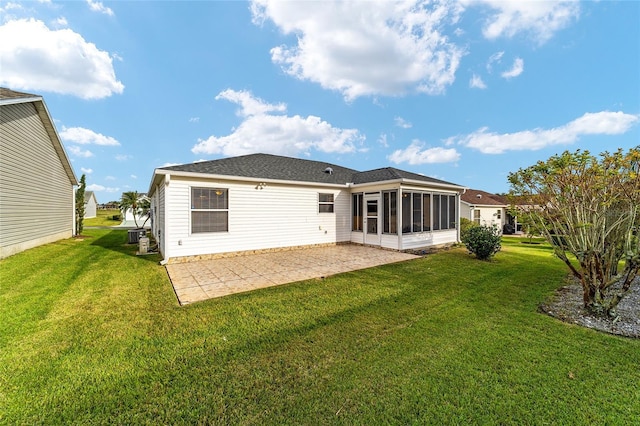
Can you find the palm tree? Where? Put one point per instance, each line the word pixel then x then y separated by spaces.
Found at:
pixel 139 205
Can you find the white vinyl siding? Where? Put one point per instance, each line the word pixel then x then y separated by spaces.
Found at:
pixel 36 193
pixel 276 216
pixel 484 215
pixel 90 207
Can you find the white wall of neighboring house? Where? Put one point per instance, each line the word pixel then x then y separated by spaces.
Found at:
pixel 484 215
pixel 90 206
pixel 36 203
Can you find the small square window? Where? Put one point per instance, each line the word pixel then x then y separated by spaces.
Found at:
pixel 325 203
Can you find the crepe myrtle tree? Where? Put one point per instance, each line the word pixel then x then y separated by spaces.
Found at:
pixel 139 205
pixel 588 208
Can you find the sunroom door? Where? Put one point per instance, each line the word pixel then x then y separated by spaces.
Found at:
pixel 371 220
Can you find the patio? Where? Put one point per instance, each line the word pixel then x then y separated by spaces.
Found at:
pixel 207 279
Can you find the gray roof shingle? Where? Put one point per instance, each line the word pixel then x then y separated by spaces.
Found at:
pixel 12 94
pixel 268 166
pixel 478 197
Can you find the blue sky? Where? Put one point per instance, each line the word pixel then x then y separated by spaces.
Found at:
pixel 464 91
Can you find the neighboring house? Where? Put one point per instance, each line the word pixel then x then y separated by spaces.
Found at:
pixel 90 204
pixel 129 216
pixel 484 208
pixel 264 202
pixel 37 195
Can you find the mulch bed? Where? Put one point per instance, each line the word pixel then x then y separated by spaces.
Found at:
pixel 566 305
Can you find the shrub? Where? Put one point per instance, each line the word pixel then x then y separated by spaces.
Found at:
pixel 483 241
pixel 465 225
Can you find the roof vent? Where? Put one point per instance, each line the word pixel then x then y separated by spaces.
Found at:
pixel 328 170
pixel 479 196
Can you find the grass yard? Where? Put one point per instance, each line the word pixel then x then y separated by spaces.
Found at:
pixel 104 218
pixel 91 334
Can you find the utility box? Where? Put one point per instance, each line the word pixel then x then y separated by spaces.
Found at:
pixel 135 234
pixel 143 245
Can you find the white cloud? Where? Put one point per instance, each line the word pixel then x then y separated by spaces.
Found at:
pixel 78 152
pixel 122 157
pixel 416 153
pixel 250 105
pixel 96 187
pixel 194 119
pixel 60 22
pixel 37 58
pixel 539 19
pixel 109 178
pixel 496 57
pixel 170 164
pixel 401 122
pixel 366 48
pixel 87 171
pixel 516 69
pixel 477 83
pixel 599 123
pixel 84 136
pixel 97 6
pixel 133 176
pixel 382 140
pixel 276 134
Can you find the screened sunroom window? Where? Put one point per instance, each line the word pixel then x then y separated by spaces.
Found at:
pixel 356 205
pixel 209 210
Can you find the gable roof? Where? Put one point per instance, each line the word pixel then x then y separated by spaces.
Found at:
pixel 276 167
pixel 267 166
pixel 11 97
pixel 483 198
pixel 391 173
pixel 88 195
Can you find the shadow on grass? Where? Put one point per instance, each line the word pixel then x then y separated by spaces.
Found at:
pixel 116 240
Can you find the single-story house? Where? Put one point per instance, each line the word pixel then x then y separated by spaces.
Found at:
pixel 37 194
pixel 263 202
pixel 485 208
pixel 90 204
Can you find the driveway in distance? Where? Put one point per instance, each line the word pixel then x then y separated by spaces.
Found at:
pixel 206 279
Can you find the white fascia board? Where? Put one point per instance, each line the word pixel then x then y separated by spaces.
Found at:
pixel 457 188
pixel 378 183
pixel 13 101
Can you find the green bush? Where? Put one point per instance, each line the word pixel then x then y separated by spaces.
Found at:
pixel 465 225
pixel 483 241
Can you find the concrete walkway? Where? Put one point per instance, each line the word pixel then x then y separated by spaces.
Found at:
pixel 206 279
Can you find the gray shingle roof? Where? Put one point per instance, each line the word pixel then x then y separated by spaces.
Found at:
pixel 268 166
pixel 391 173
pixel 12 94
pixel 478 197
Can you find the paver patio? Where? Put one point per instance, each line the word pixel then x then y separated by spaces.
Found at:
pixel 206 279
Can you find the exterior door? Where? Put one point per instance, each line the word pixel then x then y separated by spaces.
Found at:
pixel 371 220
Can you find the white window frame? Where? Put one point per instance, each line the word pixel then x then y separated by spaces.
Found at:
pixel 192 209
pixel 326 203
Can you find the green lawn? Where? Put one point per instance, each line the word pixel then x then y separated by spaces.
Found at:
pixel 104 218
pixel 91 334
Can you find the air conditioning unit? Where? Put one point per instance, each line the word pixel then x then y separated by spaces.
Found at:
pixel 135 234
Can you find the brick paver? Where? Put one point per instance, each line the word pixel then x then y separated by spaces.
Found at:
pixel 206 279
